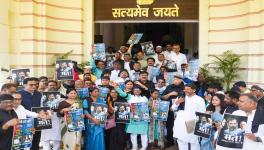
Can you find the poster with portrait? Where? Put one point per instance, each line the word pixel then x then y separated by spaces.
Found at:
pixel 103 91
pixel 140 112
pixel 83 93
pixel 203 126
pixel 22 134
pixel 18 75
pixel 148 48
pixel 110 58
pixel 232 133
pixel 41 124
pixel 99 112
pixel 160 110
pixel 134 38
pixel 169 76
pixel 122 112
pixel 171 65
pixel 153 72
pixel 134 76
pixel 51 99
pixel 74 121
pixel 194 68
pixel 99 52
pixel 64 69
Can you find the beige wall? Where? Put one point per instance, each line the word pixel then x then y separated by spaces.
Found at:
pixel 236 25
pixel 34 31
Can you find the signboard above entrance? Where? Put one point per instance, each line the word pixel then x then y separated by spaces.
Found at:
pixel 148 10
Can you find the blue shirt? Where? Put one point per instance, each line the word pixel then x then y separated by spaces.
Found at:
pixel 30 100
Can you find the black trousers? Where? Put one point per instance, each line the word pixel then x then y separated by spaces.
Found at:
pixel 36 140
pixel 169 126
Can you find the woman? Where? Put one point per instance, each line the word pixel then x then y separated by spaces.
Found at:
pixel 135 128
pixel 94 132
pixel 115 137
pixel 216 109
pixel 71 140
pixel 128 86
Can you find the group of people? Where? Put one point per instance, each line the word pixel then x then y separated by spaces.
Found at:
pixel 129 79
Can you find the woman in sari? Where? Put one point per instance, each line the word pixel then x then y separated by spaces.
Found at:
pixel 71 140
pixel 95 131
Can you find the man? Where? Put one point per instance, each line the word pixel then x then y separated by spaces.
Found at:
pixel 232 127
pixel 31 98
pixel 178 57
pixel 211 90
pixel 52 85
pixel 141 59
pixel 258 92
pixel 134 73
pixel 247 107
pixel 8 88
pixel 171 92
pixel 43 81
pixel 185 119
pixel 79 84
pixel 8 119
pixel 231 100
pixel 145 84
pixel 116 69
pixel 242 86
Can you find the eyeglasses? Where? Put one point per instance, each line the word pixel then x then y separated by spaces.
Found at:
pixel 32 84
pixel 17 99
pixel 7 102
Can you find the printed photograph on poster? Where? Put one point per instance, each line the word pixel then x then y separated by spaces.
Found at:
pixel 74 121
pixel 122 112
pixel 41 124
pixel 148 48
pixel 103 91
pixel 140 112
pixel 51 99
pixel 64 69
pixel 169 76
pixel 22 134
pixel 99 112
pixel 203 125
pixel 153 72
pixel 110 58
pixel 99 52
pixel 83 93
pixel 18 75
pixel 171 65
pixel 161 110
pixel 134 38
pixel 232 133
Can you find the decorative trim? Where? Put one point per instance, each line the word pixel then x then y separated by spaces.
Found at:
pixel 53 42
pixel 51 29
pixel 236 42
pixel 253 55
pixel 51 17
pixel 32 66
pixel 51 5
pixel 237 29
pixel 46 53
pixel 229 4
pixel 236 16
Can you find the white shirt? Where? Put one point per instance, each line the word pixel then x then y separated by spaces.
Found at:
pixel 23 113
pixel 114 75
pixel 192 104
pixel 248 144
pixel 179 59
pixel 126 66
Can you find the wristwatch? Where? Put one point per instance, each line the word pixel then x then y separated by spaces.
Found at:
pixel 258 139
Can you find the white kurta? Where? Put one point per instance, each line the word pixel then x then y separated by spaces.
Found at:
pixel 248 144
pixel 192 104
pixel 54 133
pixel 22 113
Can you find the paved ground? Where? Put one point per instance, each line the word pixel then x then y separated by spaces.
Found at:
pixel 172 148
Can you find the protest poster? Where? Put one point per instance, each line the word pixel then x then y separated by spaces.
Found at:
pixel 110 58
pixel 51 99
pixel 74 121
pixel 22 134
pixel 169 76
pixel 140 112
pixel 134 38
pixel 153 72
pixel 83 93
pixel 41 124
pixel 64 69
pixel 148 48
pixel 18 75
pixel 194 68
pixel 171 65
pixel 203 126
pixel 232 133
pixel 99 52
pixel 160 110
pixel 99 112
pixel 103 91
pixel 135 75
pixel 122 112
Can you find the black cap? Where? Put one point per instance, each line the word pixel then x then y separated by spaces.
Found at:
pixel 240 83
pixel 5 97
